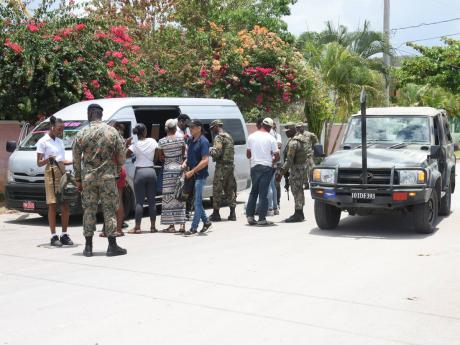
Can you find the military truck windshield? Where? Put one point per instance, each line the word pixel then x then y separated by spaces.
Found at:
pixel 390 129
pixel 71 128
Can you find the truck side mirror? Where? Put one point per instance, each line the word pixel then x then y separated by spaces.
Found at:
pixel 318 151
pixel 11 146
pixel 434 151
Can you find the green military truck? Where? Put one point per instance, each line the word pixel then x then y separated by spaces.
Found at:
pixel 401 160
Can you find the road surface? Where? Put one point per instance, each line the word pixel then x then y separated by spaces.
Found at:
pixel 372 281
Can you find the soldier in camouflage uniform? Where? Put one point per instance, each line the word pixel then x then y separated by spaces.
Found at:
pixel 98 155
pixel 224 183
pixel 312 140
pixel 295 164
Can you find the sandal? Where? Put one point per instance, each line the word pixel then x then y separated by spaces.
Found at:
pixel 170 229
pixel 134 231
pixel 182 228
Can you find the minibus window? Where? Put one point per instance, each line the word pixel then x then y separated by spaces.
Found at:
pixel 71 129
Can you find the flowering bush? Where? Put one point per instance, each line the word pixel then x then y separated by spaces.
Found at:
pixel 256 69
pixel 50 63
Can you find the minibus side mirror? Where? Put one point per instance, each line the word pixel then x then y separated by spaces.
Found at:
pixel 11 145
pixel 318 151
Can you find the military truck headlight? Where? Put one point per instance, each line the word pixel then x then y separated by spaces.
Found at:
pixel 324 175
pixel 9 176
pixel 412 177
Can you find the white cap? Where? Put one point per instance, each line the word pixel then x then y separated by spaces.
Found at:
pixel 171 123
pixel 268 122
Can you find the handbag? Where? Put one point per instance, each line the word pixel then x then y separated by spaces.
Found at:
pixel 184 188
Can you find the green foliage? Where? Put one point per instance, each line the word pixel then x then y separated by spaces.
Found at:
pixel 437 66
pixel 430 96
pixel 54 59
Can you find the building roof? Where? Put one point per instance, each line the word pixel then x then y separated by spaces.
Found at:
pixel 389 111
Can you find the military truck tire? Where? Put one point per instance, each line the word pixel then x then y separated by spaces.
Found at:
pixel 425 215
pixel 444 206
pixel 327 216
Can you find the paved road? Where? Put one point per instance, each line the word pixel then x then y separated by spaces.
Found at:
pixel 373 281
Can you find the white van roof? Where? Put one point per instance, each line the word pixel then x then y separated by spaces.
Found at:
pixel 389 111
pixel 112 105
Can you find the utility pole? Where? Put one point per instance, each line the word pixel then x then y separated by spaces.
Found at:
pixel 386 54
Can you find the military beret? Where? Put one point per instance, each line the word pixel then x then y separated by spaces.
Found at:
pixel 216 123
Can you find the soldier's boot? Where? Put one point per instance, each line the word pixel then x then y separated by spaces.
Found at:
pixel 215 216
pixel 296 217
pixel 232 215
pixel 114 249
pixel 301 214
pixel 88 251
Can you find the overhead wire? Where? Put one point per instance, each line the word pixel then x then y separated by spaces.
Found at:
pixel 424 24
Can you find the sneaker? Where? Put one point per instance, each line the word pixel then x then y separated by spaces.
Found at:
pixel 270 213
pixel 251 221
pixel 264 223
pixel 191 231
pixel 65 240
pixel 55 241
pixel 276 212
pixel 205 227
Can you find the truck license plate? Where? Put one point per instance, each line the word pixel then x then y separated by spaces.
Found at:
pixel 363 195
pixel 28 205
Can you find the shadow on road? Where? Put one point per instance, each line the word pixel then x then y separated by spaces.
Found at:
pixel 377 227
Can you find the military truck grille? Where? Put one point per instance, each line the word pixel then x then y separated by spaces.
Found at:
pixel 374 176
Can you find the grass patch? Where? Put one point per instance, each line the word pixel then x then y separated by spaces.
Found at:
pixel 457 153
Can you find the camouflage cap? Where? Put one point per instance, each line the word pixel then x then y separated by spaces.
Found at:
pixel 289 125
pixel 216 123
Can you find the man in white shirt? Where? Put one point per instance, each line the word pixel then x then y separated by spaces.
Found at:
pixel 263 152
pixel 274 189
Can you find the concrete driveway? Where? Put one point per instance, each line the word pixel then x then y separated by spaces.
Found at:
pixel 372 281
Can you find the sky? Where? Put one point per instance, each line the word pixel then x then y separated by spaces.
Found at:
pixel 310 15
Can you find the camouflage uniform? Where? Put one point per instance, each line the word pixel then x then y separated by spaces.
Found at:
pixel 98 155
pixel 224 182
pixel 312 140
pixel 295 159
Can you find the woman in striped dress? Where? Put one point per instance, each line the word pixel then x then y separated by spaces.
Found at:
pixel 172 149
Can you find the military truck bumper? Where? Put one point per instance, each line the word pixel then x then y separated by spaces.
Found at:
pixel 396 197
pixel 31 197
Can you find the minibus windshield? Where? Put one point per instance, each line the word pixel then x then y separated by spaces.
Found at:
pixel 71 128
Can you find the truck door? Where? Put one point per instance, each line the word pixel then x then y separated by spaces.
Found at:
pixel 440 139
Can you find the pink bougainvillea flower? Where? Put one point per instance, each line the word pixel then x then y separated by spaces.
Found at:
pixel 124 61
pixel 135 48
pixel 57 38
pixel 95 84
pixel 118 55
pixel 15 47
pixel 80 59
pixel 162 71
pixel 142 73
pixel 264 71
pixel 108 53
pixel 87 93
pixel 101 35
pixel 111 74
pixel 110 64
pixel 203 73
pixel 32 27
pixel 117 88
pixel 286 97
pixel 80 26
pixel 259 99
pixel 66 32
